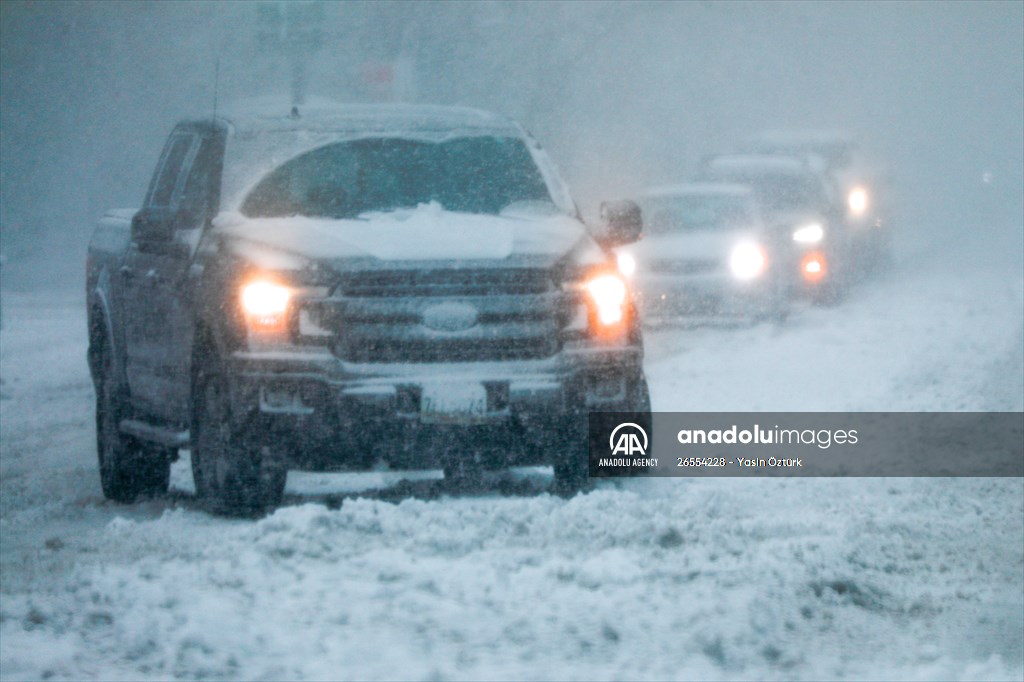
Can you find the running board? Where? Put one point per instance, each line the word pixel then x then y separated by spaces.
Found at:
pixel 169 438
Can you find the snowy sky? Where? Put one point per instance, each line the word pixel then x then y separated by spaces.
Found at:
pixel 624 95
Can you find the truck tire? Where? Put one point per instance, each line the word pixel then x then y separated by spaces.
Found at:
pixel 572 471
pixel 232 477
pixel 128 469
pixel 641 405
pixel 572 474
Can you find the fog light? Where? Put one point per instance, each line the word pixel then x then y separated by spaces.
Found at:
pixel 282 401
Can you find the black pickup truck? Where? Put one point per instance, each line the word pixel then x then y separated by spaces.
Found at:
pixel 340 287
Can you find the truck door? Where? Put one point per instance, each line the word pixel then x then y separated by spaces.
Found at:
pixel 157 285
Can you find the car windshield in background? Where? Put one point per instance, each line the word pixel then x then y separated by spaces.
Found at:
pixel 836 155
pixel 780 192
pixel 346 180
pixel 691 213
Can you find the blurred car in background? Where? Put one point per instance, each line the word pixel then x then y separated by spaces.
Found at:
pixel 857 179
pixel 706 253
pixel 801 203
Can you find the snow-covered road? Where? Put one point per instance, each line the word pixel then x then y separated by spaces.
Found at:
pixel 704 578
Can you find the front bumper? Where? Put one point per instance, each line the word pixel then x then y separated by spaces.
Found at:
pixel 326 413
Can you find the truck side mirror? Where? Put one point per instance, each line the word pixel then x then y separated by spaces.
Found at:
pixel 623 223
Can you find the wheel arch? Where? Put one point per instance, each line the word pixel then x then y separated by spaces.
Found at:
pixel 101 335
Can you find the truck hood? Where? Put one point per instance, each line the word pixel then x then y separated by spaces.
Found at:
pixel 406 237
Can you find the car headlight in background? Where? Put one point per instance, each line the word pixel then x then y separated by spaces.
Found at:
pixel 608 292
pixel 857 200
pixel 809 234
pixel 627 264
pixel 265 304
pixel 747 260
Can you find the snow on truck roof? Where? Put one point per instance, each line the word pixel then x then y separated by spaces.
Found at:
pixel 362 119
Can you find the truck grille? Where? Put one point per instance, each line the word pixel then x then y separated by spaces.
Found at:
pixel 503 314
pixel 458 282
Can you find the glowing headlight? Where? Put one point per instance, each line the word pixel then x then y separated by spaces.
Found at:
pixel 809 234
pixel 627 264
pixel 609 295
pixel 265 303
pixel 857 200
pixel 747 261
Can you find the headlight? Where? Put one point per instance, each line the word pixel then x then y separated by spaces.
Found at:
pixel 608 293
pixel 857 200
pixel 627 264
pixel 747 260
pixel 265 303
pixel 809 234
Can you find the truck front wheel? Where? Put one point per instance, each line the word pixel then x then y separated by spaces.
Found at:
pixel 232 477
pixel 572 470
pixel 128 469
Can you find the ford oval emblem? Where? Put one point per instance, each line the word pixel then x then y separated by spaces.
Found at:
pixel 450 317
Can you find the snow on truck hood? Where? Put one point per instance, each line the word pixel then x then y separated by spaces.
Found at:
pixel 427 232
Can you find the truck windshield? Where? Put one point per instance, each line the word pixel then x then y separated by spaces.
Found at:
pixel 697 212
pixel 349 179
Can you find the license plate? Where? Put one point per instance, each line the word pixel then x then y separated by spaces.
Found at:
pixel 453 403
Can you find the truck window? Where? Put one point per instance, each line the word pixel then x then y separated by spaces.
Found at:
pixel 345 180
pixel 201 187
pixel 166 180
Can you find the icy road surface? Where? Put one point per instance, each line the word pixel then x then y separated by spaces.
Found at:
pixel 708 579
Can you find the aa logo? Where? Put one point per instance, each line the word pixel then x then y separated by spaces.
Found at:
pixel 628 439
